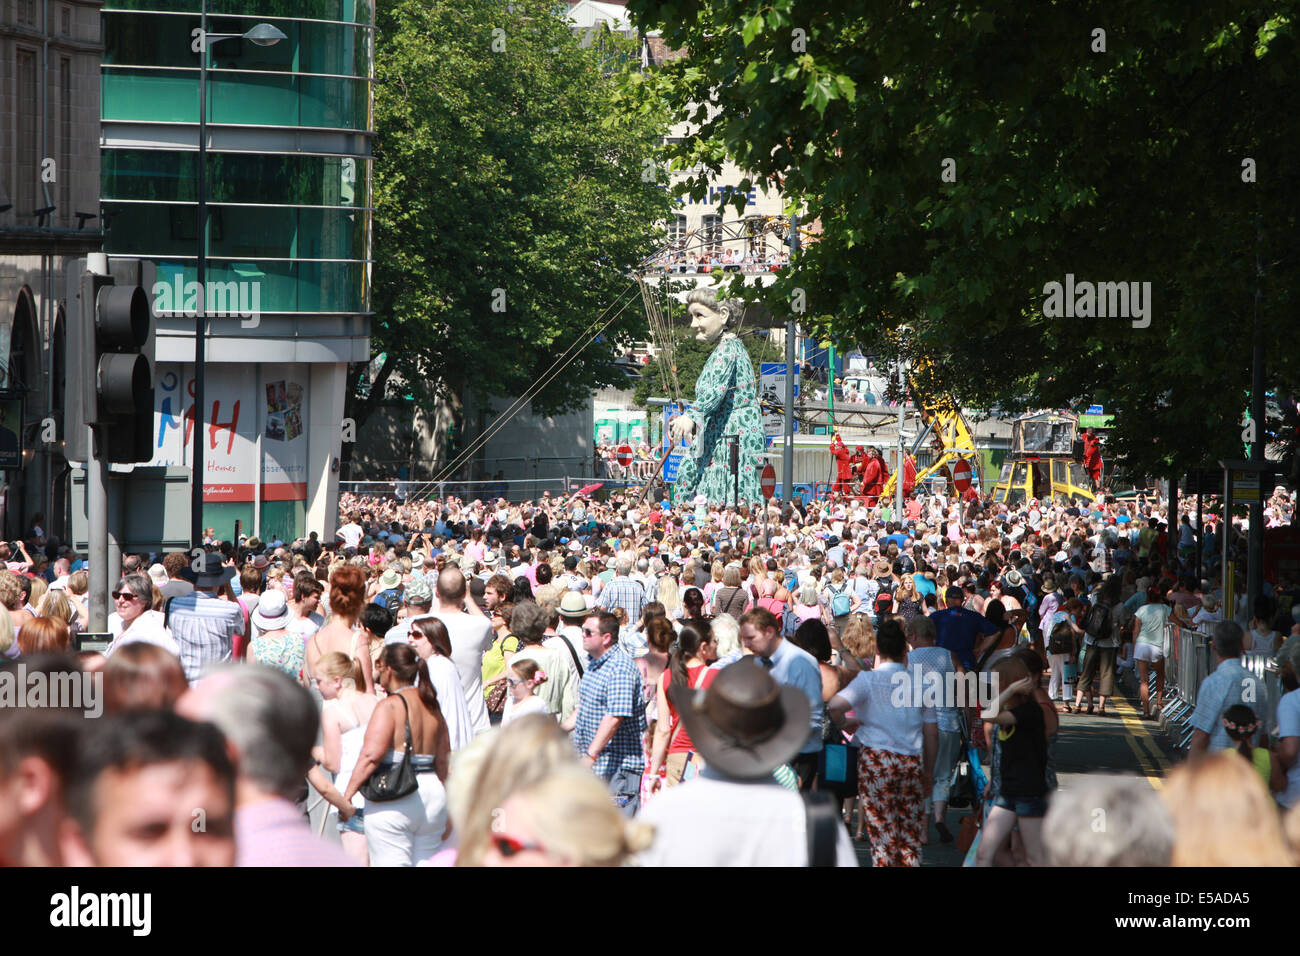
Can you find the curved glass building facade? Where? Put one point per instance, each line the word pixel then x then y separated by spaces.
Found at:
pixel 288 191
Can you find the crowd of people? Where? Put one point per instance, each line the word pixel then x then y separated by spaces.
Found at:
pixel 722 259
pixel 570 681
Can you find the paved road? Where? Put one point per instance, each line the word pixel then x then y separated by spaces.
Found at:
pixel 1087 744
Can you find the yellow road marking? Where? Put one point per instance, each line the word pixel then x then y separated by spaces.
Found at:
pixel 1150 759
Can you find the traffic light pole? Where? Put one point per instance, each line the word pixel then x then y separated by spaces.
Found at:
pixel 201 312
pixel 96 468
pixel 787 446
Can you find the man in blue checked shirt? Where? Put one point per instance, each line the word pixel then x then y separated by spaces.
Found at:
pixel 611 712
pixel 623 591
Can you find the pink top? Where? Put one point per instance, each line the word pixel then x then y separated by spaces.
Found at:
pixel 272 832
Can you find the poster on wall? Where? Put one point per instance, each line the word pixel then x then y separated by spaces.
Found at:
pixel 255 430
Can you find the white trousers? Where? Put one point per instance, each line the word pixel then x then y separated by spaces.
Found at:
pixel 404 832
pixel 1056 684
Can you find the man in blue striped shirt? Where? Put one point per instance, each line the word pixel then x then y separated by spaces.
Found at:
pixel 203 624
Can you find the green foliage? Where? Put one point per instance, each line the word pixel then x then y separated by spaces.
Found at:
pixel 507 169
pixel 1123 165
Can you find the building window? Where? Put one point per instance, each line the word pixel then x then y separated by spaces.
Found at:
pixel 677 232
pixel 65 21
pixel 65 139
pixel 711 233
pixel 27 142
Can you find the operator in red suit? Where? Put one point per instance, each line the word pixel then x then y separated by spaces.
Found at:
pixel 909 476
pixel 856 463
pixel 1092 457
pixel 873 476
pixel 842 466
pixel 884 469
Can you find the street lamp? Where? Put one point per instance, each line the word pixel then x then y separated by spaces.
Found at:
pixel 263 35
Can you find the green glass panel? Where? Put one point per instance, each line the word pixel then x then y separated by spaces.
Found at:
pixel 149 39
pixel 142 39
pixel 150 96
pixel 360 11
pixel 298 180
pixel 236 98
pixel 222 515
pixel 285 520
pixel 327 102
pixel 235 177
pixel 342 287
pixel 149 174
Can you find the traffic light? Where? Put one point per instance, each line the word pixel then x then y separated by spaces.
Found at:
pixel 110 372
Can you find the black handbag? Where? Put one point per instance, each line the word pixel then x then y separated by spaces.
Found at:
pixel 392 781
pixel 961 782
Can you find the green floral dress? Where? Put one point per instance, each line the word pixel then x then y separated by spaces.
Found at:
pixel 726 403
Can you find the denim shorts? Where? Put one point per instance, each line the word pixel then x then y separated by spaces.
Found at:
pixel 1022 806
pixel 354 823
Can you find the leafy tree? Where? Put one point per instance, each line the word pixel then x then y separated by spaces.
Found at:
pixel 510 204
pixel 959 157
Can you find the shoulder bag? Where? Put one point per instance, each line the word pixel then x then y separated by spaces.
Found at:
pixel 393 781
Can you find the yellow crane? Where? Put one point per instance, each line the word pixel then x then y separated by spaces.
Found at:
pixel 945 427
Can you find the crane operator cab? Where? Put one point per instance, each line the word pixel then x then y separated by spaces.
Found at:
pixel 1045 463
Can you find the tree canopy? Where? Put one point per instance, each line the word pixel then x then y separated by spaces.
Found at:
pixel 509 202
pixel 960 157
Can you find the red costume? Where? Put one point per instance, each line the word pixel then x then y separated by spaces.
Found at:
pixel 873 479
pixel 843 468
pixel 856 463
pixel 909 476
pixel 1092 458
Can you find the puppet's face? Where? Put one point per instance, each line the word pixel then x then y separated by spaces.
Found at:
pixel 708 323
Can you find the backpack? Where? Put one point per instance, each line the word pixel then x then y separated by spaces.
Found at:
pixel 884 597
pixel 773 605
pixel 840 603
pixel 789 622
pixel 1031 599
pixel 1061 640
pixel 1096 623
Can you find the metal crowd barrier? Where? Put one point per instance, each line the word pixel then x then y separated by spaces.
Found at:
pixel 1187 663
pixel 1190 659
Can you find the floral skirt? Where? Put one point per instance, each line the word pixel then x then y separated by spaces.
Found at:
pixel 891 794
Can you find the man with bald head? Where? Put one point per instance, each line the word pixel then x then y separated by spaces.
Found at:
pixel 471 637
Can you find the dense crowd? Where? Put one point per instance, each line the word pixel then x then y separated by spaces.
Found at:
pixel 574 681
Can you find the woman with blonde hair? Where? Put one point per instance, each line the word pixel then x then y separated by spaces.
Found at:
pixel 716 572
pixel 1223 815
pixel 564 819
pixel 56 604
pixel 40 587
pixel 343 719
pixel 906 601
pixel 490 769
pixel 670 598
pixel 858 644
pixel 8 641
